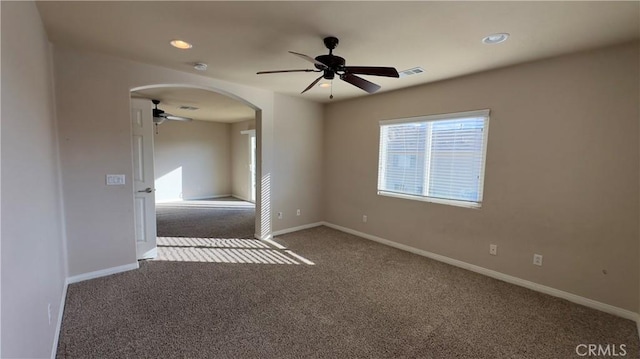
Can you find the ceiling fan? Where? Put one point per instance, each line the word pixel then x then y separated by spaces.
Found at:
pixel 331 65
pixel 159 116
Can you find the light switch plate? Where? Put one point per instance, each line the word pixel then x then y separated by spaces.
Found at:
pixel 115 180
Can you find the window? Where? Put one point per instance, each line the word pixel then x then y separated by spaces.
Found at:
pixel 438 158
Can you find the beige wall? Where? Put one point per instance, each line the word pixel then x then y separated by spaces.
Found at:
pixel 192 160
pixel 92 93
pixel 297 162
pixel 33 261
pixel 561 174
pixel 240 160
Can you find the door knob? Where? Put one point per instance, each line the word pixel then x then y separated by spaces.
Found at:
pixel 147 190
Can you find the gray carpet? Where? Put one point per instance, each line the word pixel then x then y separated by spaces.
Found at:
pixel 215 218
pixel 360 300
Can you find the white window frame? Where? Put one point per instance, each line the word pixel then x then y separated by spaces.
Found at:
pixel 431 118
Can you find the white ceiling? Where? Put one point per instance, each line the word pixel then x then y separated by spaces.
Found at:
pixel 237 39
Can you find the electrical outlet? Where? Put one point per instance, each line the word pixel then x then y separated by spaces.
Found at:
pixel 493 249
pixel 297 212
pixel 537 259
pixel 279 215
pixel 49 312
pixel 364 218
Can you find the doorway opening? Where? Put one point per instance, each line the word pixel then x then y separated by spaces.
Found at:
pixel 204 170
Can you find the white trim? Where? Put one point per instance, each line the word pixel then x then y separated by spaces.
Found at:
pixel 206 197
pixel 171 200
pixel 607 308
pixel 56 335
pixel 265 237
pixel 295 229
pixel 248 132
pixel 483 167
pixel 150 254
pixel 102 273
pixel 451 202
pixel 241 198
pixel 442 116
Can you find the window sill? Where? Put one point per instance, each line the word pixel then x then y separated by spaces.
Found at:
pixel 474 205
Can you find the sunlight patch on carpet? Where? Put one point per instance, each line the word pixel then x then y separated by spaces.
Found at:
pixel 210 242
pixel 224 250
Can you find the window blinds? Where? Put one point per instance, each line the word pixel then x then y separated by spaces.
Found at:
pixel 437 158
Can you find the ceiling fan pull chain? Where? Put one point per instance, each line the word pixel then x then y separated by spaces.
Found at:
pixel 331 95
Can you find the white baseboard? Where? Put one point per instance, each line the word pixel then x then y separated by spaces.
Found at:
pixel 170 200
pixel 102 273
pixel 80 278
pixel 607 308
pixel 241 198
pixel 150 254
pixel 298 228
pixel 56 335
pixel 206 197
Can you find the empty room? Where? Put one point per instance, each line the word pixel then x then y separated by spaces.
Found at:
pixel 320 179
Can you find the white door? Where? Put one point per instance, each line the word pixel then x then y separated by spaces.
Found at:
pixel 143 179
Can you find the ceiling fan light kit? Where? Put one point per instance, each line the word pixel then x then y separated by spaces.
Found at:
pixel 331 65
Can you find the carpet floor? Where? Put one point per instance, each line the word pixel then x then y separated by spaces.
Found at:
pixel 215 218
pixel 359 299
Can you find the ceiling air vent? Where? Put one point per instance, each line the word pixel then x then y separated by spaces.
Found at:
pixel 412 71
pixel 189 108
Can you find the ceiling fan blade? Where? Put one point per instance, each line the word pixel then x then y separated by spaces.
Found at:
pixel 310 59
pixel 177 118
pixel 368 86
pixel 278 71
pixel 371 70
pixel 312 84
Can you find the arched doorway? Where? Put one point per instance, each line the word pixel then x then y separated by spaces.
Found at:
pixel 227 101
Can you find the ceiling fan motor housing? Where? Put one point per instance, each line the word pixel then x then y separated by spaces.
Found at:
pixel 156 111
pixel 334 64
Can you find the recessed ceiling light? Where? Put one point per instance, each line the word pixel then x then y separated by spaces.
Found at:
pixel 496 38
pixel 183 45
pixel 325 85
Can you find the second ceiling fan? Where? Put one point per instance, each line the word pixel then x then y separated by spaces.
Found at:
pixel 159 116
pixel 331 65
